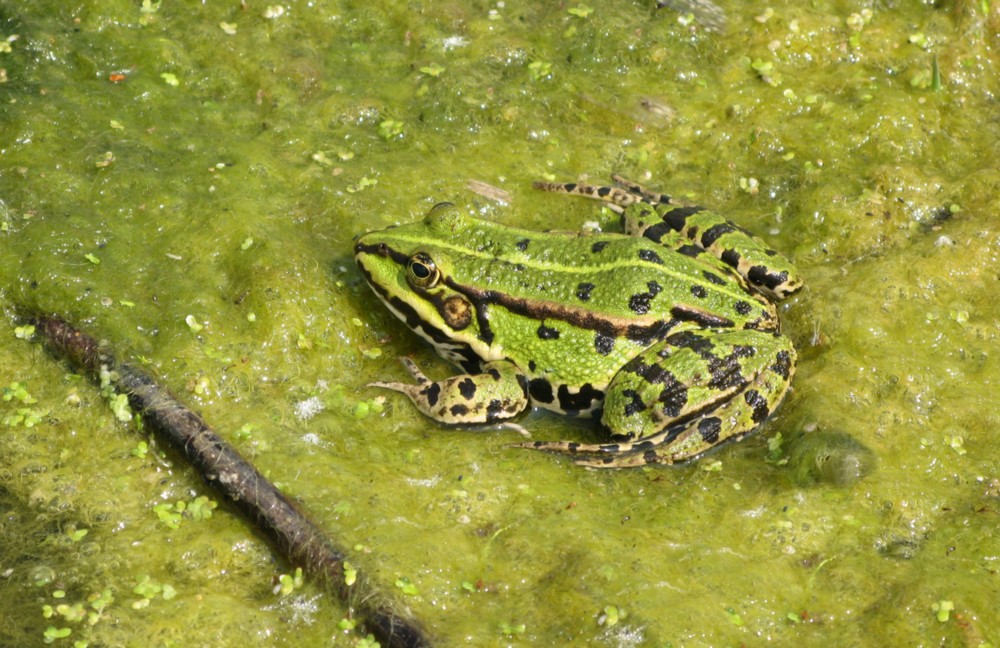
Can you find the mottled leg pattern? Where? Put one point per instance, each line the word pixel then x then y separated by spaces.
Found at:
pixel 646 195
pixel 617 198
pixel 498 393
pixel 686 395
pixel 624 194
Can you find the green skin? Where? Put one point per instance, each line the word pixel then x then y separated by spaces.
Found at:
pixel 669 330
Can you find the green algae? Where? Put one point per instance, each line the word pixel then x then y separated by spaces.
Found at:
pixel 159 139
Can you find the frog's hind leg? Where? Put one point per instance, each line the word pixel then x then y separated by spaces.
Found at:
pixel 686 441
pixel 686 395
pixel 677 443
pixel 690 230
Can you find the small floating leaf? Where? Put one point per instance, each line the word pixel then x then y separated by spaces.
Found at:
pixel 612 615
pixel 408 588
pixel 320 156
pixel 539 70
pixel 734 617
pixel 119 405
pixel 433 70
pixel 956 443
pixel 52 633
pixel 105 160
pixel 943 610
pixel 512 628
pixel 350 574
pixel 919 39
pixel 390 129
pixel 24 332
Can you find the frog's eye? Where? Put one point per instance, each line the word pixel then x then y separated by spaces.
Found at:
pixel 445 218
pixel 421 271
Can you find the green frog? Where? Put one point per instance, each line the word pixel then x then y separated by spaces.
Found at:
pixel 667 331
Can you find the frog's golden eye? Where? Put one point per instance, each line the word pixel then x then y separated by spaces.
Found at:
pixel 421 271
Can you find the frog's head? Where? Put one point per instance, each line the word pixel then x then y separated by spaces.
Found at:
pixel 410 268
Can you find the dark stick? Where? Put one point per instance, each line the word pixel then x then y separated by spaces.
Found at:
pixel 222 467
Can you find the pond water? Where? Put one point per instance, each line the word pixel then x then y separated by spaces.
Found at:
pixel 185 180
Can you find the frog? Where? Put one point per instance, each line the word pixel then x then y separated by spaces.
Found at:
pixel 667 331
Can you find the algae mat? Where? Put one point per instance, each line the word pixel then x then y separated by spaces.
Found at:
pixel 186 180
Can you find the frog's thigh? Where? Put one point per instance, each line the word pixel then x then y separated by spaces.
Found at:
pixel 498 393
pixel 693 391
pixel 643 219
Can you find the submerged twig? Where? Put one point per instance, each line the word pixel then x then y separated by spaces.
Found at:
pixel 225 470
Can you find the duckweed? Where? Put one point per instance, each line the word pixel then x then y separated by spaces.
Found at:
pixel 860 141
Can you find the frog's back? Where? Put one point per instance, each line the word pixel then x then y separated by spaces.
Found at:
pixel 630 285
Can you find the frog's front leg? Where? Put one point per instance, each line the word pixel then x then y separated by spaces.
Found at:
pixel 496 394
pixel 686 395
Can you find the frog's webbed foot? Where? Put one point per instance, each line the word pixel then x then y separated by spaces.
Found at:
pixel 516 427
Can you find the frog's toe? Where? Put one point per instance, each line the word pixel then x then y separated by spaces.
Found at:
pixel 394 386
pixel 414 370
pixel 607 455
pixel 517 427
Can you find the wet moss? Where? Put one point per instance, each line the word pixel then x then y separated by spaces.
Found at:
pixel 817 126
